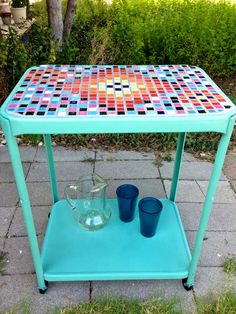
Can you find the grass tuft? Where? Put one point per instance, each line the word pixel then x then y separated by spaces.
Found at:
pixel 224 303
pixel 229 265
pixel 119 306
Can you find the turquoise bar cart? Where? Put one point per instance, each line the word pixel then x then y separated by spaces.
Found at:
pixel 51 99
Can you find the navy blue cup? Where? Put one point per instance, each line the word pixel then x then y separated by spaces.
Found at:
pixel 127 199
pixel 149 213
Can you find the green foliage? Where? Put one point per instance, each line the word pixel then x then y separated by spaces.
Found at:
pixel 229 264
pixel 199 32
pixel 23 307
pixel 118 306
pixel 18 3
pixel 224 303
pixel 16 56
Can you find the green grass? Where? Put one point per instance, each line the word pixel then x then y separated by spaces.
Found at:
pixel 23 307
pixel 229 264
pixel 224 303
pixel 212 303
pixel 119 306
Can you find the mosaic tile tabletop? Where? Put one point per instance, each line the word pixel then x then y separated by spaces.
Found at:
pixel 53 90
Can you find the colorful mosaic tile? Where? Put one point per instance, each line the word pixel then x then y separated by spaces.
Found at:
pixel 53 90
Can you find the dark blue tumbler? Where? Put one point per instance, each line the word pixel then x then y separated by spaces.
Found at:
pixel 127 199
pixel 149 212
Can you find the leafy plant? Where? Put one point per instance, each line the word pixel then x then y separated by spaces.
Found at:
pixel 18 3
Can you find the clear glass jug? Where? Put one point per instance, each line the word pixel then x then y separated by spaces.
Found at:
pixel 88 201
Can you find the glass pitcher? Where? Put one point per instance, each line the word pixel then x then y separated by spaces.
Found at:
pixel 88 201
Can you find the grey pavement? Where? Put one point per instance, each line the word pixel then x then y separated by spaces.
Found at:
pixel 153 178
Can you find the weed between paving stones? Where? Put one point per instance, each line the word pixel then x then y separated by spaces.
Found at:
pixel 229 264
pixel 224 303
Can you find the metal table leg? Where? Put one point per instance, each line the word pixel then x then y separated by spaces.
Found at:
pixel 51 167
pixel 178 159
pixel 25 203
pixel 215 176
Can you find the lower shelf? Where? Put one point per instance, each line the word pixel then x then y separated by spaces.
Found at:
pixel 117 251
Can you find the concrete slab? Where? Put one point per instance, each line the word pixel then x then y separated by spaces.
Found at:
pixel 213 279
pixel 123 155
pixel 224 193
pixel 19 256
pixel 64 170
pixel 40 215
pixel 188 191
pixel 216 247
pixel 1 244
pixel 40 192
pixel 16 288
pixel 233 185
pixel 147 187
pixel 9 194
pixel 222 216
pixel 186 156
pixel 65 154
pixel 6 214
pixel 145 289
pixel 127 169
pixel 230 166
pixel 195 170
pixel 27 153
pixel 6 173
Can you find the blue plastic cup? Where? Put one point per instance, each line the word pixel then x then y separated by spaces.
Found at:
pixel 149 213
pixel 127 199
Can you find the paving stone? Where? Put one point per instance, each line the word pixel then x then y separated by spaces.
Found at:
pixel 27 153
pixel 216 247
pixel 40 192
pixel 64 170
pixel 65 154
pixel 9 194
pixel 222 217
pixel 123 155
pixel 196 170
pixel 19 256
pixel 6 214
pixel 233 185
pixel 230 166
pixel 1 244
pixel 126 169
pixel 186 156
pixel 224 193
pixel 15 288
pixel 213 279
pixel 40 215
pixel 147 187
pixel 144 289
pixel 188 191
pixel 6 173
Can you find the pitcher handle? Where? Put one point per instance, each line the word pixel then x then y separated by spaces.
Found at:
pixel 71 201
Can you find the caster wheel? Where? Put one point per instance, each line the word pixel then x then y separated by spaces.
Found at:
pixel 42 291
pixel 187 288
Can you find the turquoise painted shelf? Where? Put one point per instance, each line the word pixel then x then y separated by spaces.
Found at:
pixel 118 251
